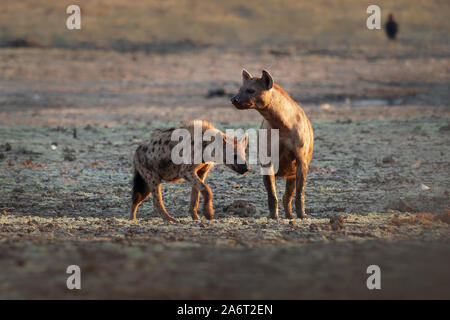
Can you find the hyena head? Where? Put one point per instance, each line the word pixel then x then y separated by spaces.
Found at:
pixel 255 93
pixel 239 163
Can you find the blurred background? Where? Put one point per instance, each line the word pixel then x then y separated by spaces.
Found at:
pixel 151 25
pixel 135 57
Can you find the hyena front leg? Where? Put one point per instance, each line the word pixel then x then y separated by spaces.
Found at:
pixel 300 180
pixel 159 205
pixel 197 183
pixel 139 193
pixel 287 197
pixel 269 183
pixel 269 174
pixel 195 193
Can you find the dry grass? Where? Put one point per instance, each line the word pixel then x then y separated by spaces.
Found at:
pixel 230 23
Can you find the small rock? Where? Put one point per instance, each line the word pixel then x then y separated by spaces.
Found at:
pixel 337 222
pixel 388 159
pixel 69 157
pixel 416 164
pixel 240 208
pixel 401 205
pixel 326 106
pixel 69 154
pixel 314 168
pixel 424 187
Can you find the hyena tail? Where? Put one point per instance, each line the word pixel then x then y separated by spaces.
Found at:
pixel 139 193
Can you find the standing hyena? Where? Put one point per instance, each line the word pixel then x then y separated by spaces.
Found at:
pixel 281 112
pixel 153 164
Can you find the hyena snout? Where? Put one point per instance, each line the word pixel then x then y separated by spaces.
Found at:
pixel 237 101
pixel 242 102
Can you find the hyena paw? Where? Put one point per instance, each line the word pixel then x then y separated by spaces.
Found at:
pixel 302 216
pixel 289 215
pixel 209 213
pixel 170 218
pixel 194 215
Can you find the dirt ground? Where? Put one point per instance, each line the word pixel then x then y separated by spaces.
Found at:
pixel 381 161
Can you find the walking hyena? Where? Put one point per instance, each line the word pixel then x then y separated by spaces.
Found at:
pixel 281 112
pixel 153 164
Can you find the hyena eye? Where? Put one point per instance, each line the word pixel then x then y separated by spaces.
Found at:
pixel 250 91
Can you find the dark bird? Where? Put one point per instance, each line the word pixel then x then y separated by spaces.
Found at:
pixel 391 27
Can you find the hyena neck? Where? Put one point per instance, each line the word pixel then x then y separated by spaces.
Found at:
pixel 281 111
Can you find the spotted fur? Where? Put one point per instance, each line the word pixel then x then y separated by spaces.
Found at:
pixel 153 165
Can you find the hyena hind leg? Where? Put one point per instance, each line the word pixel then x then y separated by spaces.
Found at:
pixel 159 205
pixel 139 193
pixel 195 193
pixel 302 172
pixel 287 198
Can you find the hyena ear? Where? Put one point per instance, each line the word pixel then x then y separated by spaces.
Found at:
pixel 267 80
pixel 246 75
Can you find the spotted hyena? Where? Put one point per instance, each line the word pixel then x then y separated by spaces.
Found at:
pixel 296 142
pixel 153 164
